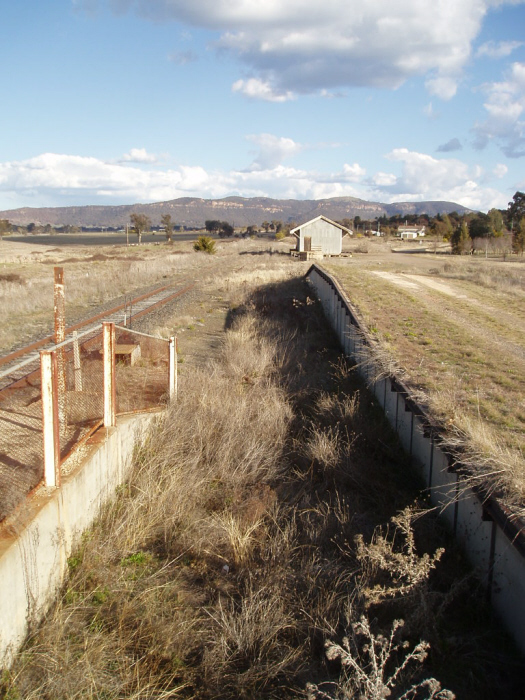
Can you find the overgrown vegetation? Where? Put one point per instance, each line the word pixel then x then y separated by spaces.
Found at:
pixel 266 546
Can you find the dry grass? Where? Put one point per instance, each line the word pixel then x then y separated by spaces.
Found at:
pixel 459 346
pixel 27 294
pixel 229 558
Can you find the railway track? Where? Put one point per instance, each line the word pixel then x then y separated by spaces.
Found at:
pixel 19 367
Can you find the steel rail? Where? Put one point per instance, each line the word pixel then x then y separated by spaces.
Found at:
pixel 49 339
pixel 26 379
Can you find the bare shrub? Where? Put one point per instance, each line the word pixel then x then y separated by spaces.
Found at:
pixel 373 666
pixel 393 557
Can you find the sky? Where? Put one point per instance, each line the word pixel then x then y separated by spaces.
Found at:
pixel 125 101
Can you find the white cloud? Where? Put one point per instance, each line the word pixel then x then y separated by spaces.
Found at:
pixel 138 155
pixel 308 46
pixel 384 179
pixel 500 170
pixel 498 49
pixel 255 88
pixel 428 111
pixel 424 177
pixel 59 180
pixel 353 173
pixel 272 150
pixel 505 106
pixel 444 87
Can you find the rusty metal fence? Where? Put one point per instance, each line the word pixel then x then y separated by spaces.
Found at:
pixel 82 383
pixel 21 445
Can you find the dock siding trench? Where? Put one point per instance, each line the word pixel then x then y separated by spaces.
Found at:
pixel 493 543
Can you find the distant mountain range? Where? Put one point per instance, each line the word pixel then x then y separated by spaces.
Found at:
pixel 238 211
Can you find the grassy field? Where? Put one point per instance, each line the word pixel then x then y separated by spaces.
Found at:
pixel 267 544
pixel 455 330
pixel 92 276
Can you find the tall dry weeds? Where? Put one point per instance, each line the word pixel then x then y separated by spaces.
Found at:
pixel 229 558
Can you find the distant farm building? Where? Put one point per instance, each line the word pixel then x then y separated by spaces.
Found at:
pixel 318 237
pixel 411 232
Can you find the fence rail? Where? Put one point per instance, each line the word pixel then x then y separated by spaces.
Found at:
pixel 81 384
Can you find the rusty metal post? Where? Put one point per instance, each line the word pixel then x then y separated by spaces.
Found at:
pixel 110 395
pixel 50 425
pixel 173 368
pixel 60 336
pixel 76 360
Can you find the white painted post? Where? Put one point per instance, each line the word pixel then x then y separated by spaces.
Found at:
pixel 76 360
pixel 60 336
pixel 109 374
pixel 173 368
pixel 50 429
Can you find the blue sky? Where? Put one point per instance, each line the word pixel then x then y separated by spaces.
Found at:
pixel 122 101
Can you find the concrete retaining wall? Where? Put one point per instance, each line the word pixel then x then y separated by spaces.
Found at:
pixel 492 539
pixel 37 540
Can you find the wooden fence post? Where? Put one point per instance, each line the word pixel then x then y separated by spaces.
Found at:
pixel 76 360
pixel 173 368
pixel 50 424
pixel 108 331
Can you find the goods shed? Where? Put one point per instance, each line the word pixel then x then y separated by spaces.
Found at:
pixel 320 236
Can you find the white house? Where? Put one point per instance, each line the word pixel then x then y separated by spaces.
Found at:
pixel 411 231
pixel 320 234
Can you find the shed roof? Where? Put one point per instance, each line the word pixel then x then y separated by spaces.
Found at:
pixel 345 230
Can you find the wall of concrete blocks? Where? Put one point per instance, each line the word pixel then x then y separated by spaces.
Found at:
pixel 36 542
pixel 492 540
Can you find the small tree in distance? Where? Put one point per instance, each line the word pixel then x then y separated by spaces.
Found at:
pixel 168 226
pixel 518 239
pixel 140 223
pixel 5 227
pixel 461 241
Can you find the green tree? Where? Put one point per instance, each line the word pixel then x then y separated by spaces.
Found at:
pixel 212 225
pixel 140 223
pixel 166 222
pixel 479 226
pixel 266 226
pixel 226 230
pixel 5 227
pixel 518 237
pixel 439 230
pixel 276 225
pixel 516 210
pixel 448 227
pixel 496 225
pixel 461 240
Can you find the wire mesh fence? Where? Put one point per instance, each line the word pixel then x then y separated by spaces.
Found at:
pixel 141 382
pixel 80 390
pixel 141 369
pixel 21 448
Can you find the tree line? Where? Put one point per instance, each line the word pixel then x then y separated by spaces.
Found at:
pixel 500 230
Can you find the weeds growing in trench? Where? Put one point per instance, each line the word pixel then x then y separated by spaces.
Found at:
pixel 252 533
